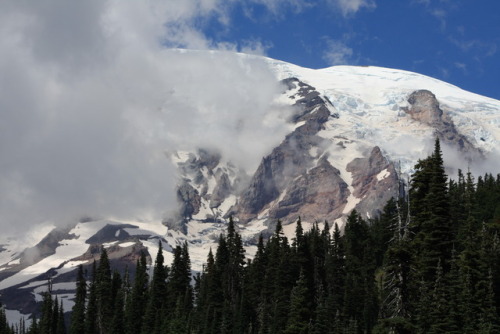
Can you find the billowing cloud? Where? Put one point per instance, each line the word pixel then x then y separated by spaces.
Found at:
pixel 91 98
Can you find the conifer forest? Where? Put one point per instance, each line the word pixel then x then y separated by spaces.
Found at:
pixel 429 263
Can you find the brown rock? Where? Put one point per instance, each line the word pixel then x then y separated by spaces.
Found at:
pixel 375 181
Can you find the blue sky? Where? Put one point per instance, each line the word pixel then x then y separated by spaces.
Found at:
pixel 455 41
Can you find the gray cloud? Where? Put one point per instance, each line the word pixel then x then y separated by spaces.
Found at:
pixel 90 101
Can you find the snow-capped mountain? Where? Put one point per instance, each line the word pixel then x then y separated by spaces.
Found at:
pixel 354 133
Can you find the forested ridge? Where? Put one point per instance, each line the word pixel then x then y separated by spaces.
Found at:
pixel 430 263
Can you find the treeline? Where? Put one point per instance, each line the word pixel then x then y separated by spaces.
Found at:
pixel 429 264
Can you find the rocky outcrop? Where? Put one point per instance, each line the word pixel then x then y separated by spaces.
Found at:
pixel 291 159
pixel 222 189
pixel 374 182
pixel 110 233
pixel 189 200
pixel 424 107
pixel 320 192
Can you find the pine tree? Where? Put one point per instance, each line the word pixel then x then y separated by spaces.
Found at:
pixel 4 325
pixel 439 307
pixel 91 313
pixel 360 292
pixel 78 311
pixel 137 301
pixel 336 272
pixel 157 295
pixel 280 279
pixel 55 315
pixel 436 233
pixel 179 289
pixel 34 327
pixel 60 325
pixel 254 284
pixel 104 294
pixel 117 325
pixel 396 309
pixel 299 318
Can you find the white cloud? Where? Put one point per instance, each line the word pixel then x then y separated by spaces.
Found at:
pixel 461 66
pixel 350 7
pixel 444 72
pixel 277 7
pixel 485 49
pixel 90 100
pixel 337 53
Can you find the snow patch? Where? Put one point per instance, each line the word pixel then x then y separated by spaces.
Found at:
pixel 109 244
pixel 126 244
pixel 14 317
pixel 299 124
pixel 13 262
pixel 383 175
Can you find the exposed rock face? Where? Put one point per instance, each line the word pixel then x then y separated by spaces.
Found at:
pixel 190 200
pixel 424 107
pixel 222 189
pixel 375 181
pixel 321 192
pixel 207 182
pixel 291 158
pixel 110 233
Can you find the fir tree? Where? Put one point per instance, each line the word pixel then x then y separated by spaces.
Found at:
pixel 46 318
pixel 157 295
pixel 104 294
pixel 78 311
pixel 60 325
pixel 299 318
pixel 117 325
pixel 137 301
pixel 91 313
pixel 396 309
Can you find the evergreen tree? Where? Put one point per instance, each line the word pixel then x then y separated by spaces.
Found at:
pixel 78 311
pixel 117 325
pixel 299 318
pixel 46 317
pixel 137 301
pixel 179 289
pixel 4 325
pixel 61 326
pixel 336 272
pixel 360 304
pixel 104 294
pixel 34 327
pixel 396 309
pixel 439 307
pixel 157 295
pixel 91 313
pixel 434 239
